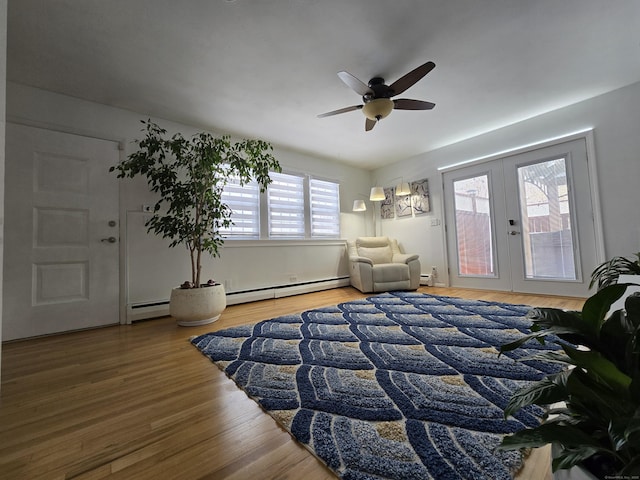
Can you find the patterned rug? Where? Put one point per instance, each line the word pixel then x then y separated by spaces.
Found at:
pixel 399 385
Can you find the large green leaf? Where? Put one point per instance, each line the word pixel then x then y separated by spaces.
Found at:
pixel 568 325
pixel 596 307
pixel 593 400
pixel 632 306
pixel 617 341
pixel 608 272
pixel 536 335
pixel 622 430
pixel 566 435
pixel 568 458
pixel 547 391
pixel 595 364
pixel 549 356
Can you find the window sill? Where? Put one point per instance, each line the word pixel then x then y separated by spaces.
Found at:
pixel 307 242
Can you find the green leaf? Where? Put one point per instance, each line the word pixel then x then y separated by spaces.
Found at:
pixel 593 400
pixel 594 363
pixel 566 435
pixel 568 458
pixel 608 272
pixel 617 433
pixel 597 306
pixel 535 335
pixel 549 356
pixel 547 391
pixel 568 325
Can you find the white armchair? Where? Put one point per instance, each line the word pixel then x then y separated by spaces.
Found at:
pixel 376 264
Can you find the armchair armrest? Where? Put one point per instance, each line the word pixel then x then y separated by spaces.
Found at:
pixel 404 257
pixel 354 258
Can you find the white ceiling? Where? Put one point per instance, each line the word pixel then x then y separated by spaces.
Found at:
pixel 266 68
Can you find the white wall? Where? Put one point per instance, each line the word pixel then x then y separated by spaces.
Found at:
pixel 615 118
pixel 149 268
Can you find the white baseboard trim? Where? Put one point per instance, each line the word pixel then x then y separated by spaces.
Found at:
pixel 160 308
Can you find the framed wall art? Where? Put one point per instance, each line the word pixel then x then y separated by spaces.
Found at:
pixel 387 205
pixel 420 196
pixel 403 206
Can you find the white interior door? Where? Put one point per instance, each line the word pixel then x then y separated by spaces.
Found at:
pixel 519 223
pixel 61 233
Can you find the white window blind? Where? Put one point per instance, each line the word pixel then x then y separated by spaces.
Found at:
pixel 244 202
pixel 285 197
pixel 325 208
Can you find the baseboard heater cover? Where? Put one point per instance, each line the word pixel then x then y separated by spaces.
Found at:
pixel 160 308
pixel 426 279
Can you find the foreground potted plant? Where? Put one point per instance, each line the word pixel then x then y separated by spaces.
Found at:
pixel 594 421
pixel 189 176
pixel 608 272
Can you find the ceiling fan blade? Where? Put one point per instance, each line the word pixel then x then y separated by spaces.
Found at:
pixel 411 78
pixel 356 85
pixel 408 104
pixel 369 124
pixel 341 110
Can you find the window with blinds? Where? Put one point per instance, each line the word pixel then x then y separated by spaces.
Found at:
pixel 244 202
pixel 325 208
pixel 285 199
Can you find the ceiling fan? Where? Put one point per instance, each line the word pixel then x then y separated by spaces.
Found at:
pixel 376 95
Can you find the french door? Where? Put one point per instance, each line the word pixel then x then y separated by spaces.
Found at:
pixel 523 223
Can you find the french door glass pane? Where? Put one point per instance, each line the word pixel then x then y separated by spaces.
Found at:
pixel 473 226
pixel 546 221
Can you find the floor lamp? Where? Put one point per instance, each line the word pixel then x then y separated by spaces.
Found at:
pixel 377 195
pixel 360 206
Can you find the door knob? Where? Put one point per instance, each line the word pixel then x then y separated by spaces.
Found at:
pixel 109 240
pixel 514 232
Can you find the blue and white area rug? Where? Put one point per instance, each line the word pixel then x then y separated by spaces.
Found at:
pixel 399 385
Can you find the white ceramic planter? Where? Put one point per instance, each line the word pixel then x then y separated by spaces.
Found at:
pixel 575 473
pixel 197 306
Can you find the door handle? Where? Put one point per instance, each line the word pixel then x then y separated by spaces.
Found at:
pixel 109 240
pixel 514 232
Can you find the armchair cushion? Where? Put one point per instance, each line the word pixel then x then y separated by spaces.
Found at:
pixel 390 272
pixel 377 255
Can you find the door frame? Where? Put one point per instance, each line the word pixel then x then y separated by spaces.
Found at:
pixel 122 230
pixel 586 135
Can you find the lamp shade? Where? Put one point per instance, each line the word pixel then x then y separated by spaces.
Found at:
pixel 377 109
pixel 377 194
pixel 402 189
pixel 359 206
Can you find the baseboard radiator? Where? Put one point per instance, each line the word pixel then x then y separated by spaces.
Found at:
pixel 160 308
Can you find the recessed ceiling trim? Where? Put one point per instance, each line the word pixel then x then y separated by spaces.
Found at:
pixel 517 150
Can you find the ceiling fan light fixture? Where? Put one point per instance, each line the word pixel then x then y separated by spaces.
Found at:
pixel 378 108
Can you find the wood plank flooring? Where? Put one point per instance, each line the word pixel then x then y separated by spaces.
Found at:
pixel 139 402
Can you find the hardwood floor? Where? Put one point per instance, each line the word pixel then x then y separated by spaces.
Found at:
pixel 139 402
